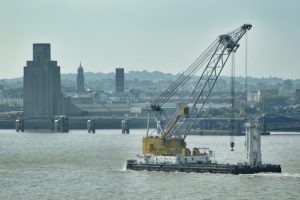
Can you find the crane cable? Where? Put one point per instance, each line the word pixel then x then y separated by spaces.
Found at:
pixel 236 37
pixel 246 77
pixel 231 44
pixel 185 76
pixel 232 120
pixel 192 69
pixel 246 91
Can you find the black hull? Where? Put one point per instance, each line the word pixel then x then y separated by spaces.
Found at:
pixel 205 168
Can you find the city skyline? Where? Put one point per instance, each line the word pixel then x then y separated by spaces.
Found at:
pixel 162 36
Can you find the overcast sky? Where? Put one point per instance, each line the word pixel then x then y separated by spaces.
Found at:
pixel 164 35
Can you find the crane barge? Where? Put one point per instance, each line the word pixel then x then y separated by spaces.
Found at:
pixel 168 151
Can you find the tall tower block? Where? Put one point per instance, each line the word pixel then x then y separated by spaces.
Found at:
pixel 119 80
pixel 80 79
pixel 42 85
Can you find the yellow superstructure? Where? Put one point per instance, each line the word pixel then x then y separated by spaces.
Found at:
pixel 181 112
pixel 162 146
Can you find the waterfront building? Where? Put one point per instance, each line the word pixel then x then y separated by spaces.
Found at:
pixel 119 80
pixel 42 84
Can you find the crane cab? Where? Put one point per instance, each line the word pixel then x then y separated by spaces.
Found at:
pixel 183 111
pixel 156 145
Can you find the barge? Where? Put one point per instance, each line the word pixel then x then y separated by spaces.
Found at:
pixel 205 168
pixel 202 160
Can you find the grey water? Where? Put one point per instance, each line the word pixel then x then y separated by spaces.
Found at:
pixel 78 165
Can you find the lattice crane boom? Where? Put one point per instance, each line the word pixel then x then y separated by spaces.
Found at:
pixel 212 62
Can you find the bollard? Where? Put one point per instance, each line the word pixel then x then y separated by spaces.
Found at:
pixel 19 125
pixel 65 124
pixel 125 126
pixel 51 124
pixel 91 126
pixel 60 124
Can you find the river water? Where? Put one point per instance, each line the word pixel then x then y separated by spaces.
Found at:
pixel 78 165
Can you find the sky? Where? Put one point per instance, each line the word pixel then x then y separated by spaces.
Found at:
pixel 154 35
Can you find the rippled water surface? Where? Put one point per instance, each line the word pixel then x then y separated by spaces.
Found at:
pixel 78 165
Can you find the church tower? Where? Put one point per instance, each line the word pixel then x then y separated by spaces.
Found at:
pixel 80 79
pixel 119 80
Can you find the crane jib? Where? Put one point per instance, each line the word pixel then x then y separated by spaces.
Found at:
pixel 210 64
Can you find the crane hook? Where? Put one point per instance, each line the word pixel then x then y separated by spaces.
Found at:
pixel 231 146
